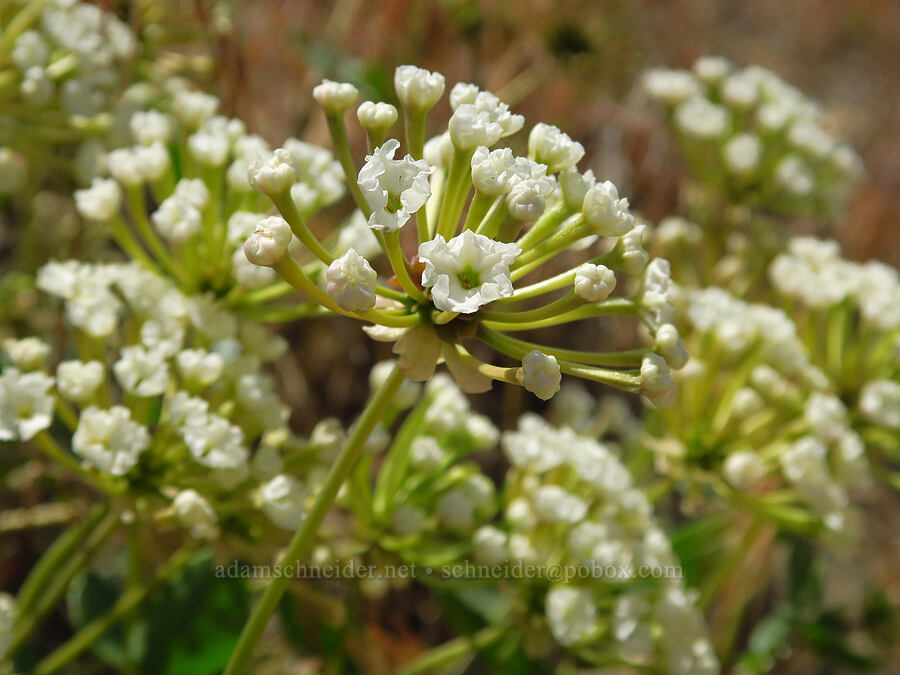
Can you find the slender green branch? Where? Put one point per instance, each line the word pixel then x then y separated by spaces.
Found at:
pixel 288 210
pixel 338 132
pixel 305 536
pixel 453 651
pixel 401 267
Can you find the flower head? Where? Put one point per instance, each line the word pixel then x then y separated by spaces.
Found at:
pixel 335 97
pixel 466 272
pixel 417 88
pixel 110 439
pixel 351 282
pixel 26 407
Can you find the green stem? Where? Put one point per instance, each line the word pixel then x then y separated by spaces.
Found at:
pixel 454 193
pixel 342 150
pixel 453 651
pixel 135 198
pixel 289 212
pixel 401 267
pixel 305 536
pixel 59 581
pixel 615 306
pixel 567 303
pixel 57 453
pixel 127 603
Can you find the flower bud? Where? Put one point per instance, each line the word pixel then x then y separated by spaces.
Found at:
pixel 671 347
pixel 605 212
pixel 274 174
pixel 335 97
pixel 376 118
pixel 269 242
pixel 539 374
pixel 742 154
pixel 575 186
pixel 124 166
pixel 194 108
pixel 417 88
pixel 594 283
pixel 525 201
pixel 149 127
pixel 99 202
pixel 743 469
pixel 351 282
pixel 656 380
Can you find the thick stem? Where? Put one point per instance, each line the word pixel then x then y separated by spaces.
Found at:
pixel 401 267
pixel 305 536
pixel 342 151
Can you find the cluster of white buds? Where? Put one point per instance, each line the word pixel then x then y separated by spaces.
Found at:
pixel 488 223
pixel 754 138
pixel 571 508
pixel 204 173
pixel 186 357
pixel 64 64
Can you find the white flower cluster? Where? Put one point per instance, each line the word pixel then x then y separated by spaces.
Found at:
pixel 560 478
pixel 771 146
pixel 190 354
pixel 70 56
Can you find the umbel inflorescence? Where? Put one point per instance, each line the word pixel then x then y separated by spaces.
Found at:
pixel 468 230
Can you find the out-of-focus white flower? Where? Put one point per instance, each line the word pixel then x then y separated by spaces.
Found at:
pixel 571 614
pixel 742 154
pixel 467 272
pixel 604 211
pixel 671 347
pixel 489 545
pixel 77 380
pixel 739 91
pixel 215 442
pixel 409 392
pixel 879 401
pixel 712 69
pixel 193 108
pixel 335 97
pixel 743 469
pixel 249 275
pixel 539 374
pixel 393 188
pixel 671 86
pixel 554 505
pixel 357 234
pixel 199 367
pixel 268 243
pixel 594 283
pixel 177 220
pixel 351 282
pixel 142 372
pixel 193 511
pixel 29 353
pixel 150 126
pixel 109 439
pixel 417 88
pixel 795 176
pixel 656 380
pixel 826 415
pixel 273 175
pixel 700 119
pixel 408 520
pixel 284 501
pixel 99 202
pixel 633 254
pixel 125 167
pixel 26 407
pixel 548 145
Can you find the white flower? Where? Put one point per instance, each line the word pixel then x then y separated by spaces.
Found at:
pixel 742 154
pixel 99 202
pixel 539 374
pixel 491 170
pixel 699 118
pixel 426 454
pixel 743 469
pixel 78 380
pixel 466 272
pixel 879 401
pixel 826 415
pixel 142 372
pixel 199 367
pixel 571 614
pixel 209 148
pixel 376 118
pixel 192 191
pixel 631 250
pixel 150 126
pixel 605 212
pixel 656 296
pixel 195 512
pixel 740 91
pixel 351 282
pixel 795 176
pixel 548 145
pixel 393 188
pixel 215 442
pixel 357 234
pixel 274 174
pixel 438 151
pixel 194 108
pixel 125 167
pixel 656 380
pixel 671 86
pixel 90 305
pixel 456 511
pixel 177 220
pixel 409 393
pixel 25 406
pixel 489 545
pixel 527 198
pixel 482 119
pixel 408 520
pixel 109 439
pixel 29 353
pixel 268 243
pixel 594 283
pixel 712 69
pixel 241 225
pixel 335 97
pixel 284 501
pixel 554 505
pixel 249 275
pixel 417 88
